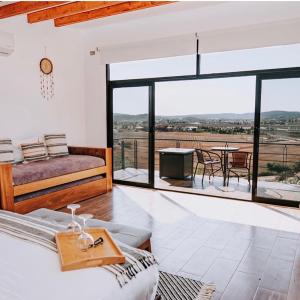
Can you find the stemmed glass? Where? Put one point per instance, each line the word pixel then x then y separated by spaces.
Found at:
pixel 85 239
pixel 73 225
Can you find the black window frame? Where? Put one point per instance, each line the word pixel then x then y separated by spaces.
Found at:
pixel 275 73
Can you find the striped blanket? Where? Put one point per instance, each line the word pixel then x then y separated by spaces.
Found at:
pixel 43 233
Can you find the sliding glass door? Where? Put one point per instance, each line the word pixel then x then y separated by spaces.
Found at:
pixel 278 140
pixel 207 115
pixel 210 112
pixel 132 125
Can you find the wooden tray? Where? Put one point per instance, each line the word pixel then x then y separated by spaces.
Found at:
pixel 72 258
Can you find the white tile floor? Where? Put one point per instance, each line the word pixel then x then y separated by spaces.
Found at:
pixel 180 206
pixel 214 187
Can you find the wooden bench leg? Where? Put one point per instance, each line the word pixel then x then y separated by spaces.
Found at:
pixel 146 246
pixel 149 247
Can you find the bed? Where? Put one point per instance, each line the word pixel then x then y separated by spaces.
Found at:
pixel 30 272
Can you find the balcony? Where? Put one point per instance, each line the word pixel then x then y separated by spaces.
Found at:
pixel 131 163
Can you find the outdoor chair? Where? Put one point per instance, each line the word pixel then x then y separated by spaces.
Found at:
pixel 208 159
pixel 241 161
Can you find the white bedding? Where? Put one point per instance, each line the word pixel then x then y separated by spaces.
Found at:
pixel 31 272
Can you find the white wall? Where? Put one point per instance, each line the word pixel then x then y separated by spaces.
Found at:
pixel 95 96
pixel 79 106
pixel 23 111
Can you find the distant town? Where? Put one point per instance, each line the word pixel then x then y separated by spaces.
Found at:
pixel 278 123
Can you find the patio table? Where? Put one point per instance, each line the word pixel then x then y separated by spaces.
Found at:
pixel 224 155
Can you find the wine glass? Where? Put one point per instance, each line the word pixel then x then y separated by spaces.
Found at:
pixel 73 225
pixel 85 239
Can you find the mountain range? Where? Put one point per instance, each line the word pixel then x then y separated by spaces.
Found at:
pixel 275 114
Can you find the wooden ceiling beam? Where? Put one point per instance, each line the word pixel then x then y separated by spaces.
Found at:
pixel 23 7
pixel 67 10
pixel 121 8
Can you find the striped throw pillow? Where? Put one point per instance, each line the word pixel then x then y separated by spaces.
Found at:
pixel 56 145
pixel 6 151
pixel 34 152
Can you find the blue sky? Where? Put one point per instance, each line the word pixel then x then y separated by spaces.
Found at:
pixel 234 95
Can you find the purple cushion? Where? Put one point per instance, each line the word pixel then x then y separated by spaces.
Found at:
pixel 39 170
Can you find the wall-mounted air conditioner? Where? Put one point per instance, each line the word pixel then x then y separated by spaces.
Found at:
pixel 7 43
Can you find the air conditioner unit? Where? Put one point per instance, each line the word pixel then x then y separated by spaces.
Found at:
pixel 7 44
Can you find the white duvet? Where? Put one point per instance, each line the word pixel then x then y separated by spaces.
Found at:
pixel 31 272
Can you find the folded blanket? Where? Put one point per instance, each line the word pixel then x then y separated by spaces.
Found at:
pixel 43 233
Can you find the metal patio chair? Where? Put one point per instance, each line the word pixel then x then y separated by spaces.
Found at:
pixel 241 161
pixel 208 159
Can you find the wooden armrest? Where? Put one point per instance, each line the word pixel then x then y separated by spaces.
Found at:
pixel 98 152
pixel 5 173
pixel 6 186
pixel 5 164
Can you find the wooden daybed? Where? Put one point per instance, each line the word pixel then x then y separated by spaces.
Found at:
pixel 56 192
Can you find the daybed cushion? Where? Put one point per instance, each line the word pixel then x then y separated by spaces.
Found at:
pixel 131 236
pixel 26 173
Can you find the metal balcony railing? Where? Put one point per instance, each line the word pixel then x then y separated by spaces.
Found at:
pixel 133 151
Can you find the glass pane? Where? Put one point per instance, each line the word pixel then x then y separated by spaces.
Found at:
pixel 161 67
pixel 279 149
pixel 251 59
pixel 130 134
pixel 204 114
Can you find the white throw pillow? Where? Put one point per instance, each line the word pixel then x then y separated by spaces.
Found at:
pixel 34 152
pixel 18 153
pixel 6 151
pixel 56 145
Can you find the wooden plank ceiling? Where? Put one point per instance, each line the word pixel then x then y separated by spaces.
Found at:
pixel 65 12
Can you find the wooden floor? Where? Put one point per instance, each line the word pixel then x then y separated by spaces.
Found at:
pixel 255 256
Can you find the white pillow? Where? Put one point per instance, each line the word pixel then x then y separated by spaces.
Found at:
pixel 6 151
pixel 56 144
pixel 18 153
pixel 34 152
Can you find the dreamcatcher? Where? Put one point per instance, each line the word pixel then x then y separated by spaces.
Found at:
pixel 46 75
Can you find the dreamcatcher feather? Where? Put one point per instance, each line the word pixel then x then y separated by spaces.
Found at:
pixel 47 85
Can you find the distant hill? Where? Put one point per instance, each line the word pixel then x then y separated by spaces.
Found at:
pixel 132 118
pixel 278 114
pixel 275 114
